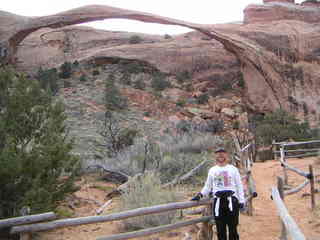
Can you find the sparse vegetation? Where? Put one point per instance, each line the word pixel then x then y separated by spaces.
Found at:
pixel 113 98
pixel 116 137
pixel 203 98
pixel 95 72
pixel 147 191
pixel 65 70
pixel 83 78
pixel 139 84
pixel 159 82
pixel 48 79
pixel 167 36
pixel 135 39
pixel 278 126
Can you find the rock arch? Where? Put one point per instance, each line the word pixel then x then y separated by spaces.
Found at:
pixel 257 64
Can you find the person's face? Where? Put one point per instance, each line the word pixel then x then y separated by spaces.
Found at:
pixel 221 158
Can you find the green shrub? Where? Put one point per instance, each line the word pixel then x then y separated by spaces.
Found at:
pixel 135 39
pixel 143 192
pixel 76 63
pixel 65 70
pixel 281 126
pixel 34 150
pixel 181 103
pixel 139 84
pixel 133 67
pixel 95 72
pixel 167 36
pixel 241 82
pixel 112 97
pixel 126 78
pixel 183 76
pixel 116 136
pixel 159 82
pixel 203 98
pixel 83 78
pixel 48 79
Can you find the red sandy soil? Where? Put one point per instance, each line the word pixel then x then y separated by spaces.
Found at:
pixel 263 225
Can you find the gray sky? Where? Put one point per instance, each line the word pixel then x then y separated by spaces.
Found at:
pixel 201 11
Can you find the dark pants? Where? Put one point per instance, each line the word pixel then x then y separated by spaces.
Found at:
pixel 227 219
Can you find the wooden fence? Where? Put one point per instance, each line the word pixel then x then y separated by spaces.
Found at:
pixel 289 226
pixel 27 225
pixel 244 160
pixel 279 193
pixel 18 225
pixel 309 176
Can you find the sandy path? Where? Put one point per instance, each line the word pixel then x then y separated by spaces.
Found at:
pixel 263 225
pixel 265 222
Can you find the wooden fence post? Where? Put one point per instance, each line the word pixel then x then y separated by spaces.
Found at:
pixel 280 185
pixel 25 236
pixel 312 189
pixel 207 232
pixel 283 159
pixel 274 149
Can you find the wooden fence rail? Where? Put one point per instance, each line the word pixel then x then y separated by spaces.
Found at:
pixel 309 175
pixel 154 230
pixel 290 225
pixel 107 218
pixel 27 219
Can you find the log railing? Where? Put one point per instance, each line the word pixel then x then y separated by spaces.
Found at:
pixel 310 176
pixel 289 226
pixel 245 161
pixel 26 230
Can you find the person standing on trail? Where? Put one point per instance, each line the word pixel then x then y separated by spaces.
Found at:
pixel 225 186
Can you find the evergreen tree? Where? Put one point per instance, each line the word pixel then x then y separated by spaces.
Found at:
pixel 34 151
pixel 48 79
pixel 65 70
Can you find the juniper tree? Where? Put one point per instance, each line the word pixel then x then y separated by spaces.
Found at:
pixel 37 166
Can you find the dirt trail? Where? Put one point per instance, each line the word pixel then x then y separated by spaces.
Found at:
pixel 265 222
pixel 263 225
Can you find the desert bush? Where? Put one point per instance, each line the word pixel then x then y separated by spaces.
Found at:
pixel 159 82
pixel 95 72
pixel 135 39
pixel 113 98
pixel 179 152
pixel 181 103
pixel 203 98
pixel 139 83
pixel 115 135
pixel 126 78
pixel 183 76
pixel 34 149
pixel 133 67
pixel 76 63
pixel 281 126
pixel 147 191
pixel 65 70
pixel 83 78
pixel 167 36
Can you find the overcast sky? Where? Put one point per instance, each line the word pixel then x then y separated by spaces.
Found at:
pixel 200 11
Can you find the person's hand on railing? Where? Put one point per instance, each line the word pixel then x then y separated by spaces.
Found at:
pixel 197 197
pixel 242 207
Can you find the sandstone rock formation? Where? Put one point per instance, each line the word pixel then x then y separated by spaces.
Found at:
pixel 277 59
pixel 282 10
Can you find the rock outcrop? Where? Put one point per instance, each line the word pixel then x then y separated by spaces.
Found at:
pixel 279 59
pixel 282 10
